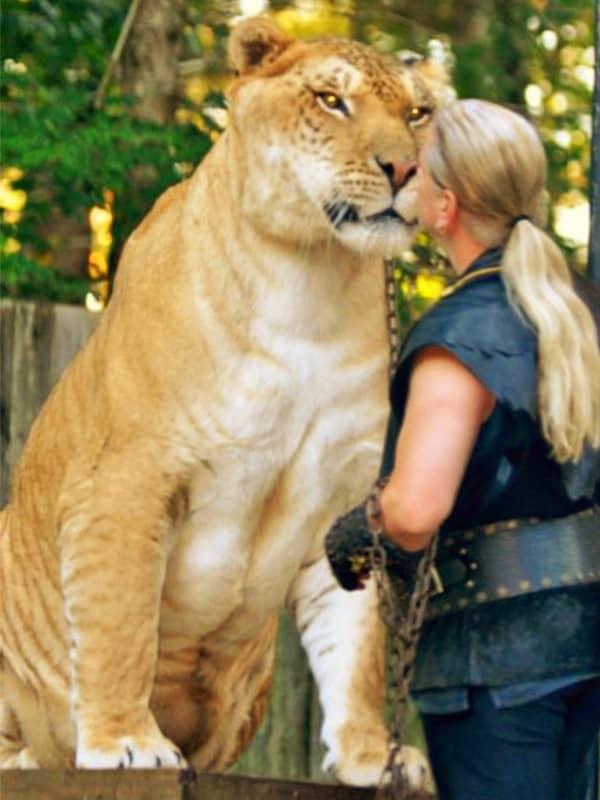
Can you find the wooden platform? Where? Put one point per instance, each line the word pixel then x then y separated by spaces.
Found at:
pixel 162 785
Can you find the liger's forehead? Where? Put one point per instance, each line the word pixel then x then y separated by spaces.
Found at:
pixel 382 75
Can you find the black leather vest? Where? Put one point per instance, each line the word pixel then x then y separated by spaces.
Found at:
pixel 510 475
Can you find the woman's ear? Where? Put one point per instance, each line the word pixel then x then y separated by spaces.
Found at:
pixel 254 42
pixel 447 212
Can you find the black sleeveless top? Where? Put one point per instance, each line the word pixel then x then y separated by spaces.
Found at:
pixel 510 475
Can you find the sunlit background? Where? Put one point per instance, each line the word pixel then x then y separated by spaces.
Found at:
pixel 535 55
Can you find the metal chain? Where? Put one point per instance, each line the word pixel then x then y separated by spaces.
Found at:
pixel 392 313
pixel 403 617
pixel 402 614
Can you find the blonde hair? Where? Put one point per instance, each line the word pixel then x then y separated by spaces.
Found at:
pixel 494 162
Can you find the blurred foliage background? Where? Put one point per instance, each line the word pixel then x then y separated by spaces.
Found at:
pixel 90 139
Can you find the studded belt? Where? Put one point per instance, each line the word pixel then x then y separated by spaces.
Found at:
pixel 516 557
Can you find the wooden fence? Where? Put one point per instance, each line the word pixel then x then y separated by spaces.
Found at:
pixel 37 340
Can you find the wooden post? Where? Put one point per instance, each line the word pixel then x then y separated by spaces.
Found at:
pixel 594 258
pixel 592 766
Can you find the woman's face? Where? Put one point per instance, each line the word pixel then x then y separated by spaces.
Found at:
pixel 429 191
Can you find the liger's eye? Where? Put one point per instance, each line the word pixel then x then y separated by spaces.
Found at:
pixel 418 113
pixel 332 102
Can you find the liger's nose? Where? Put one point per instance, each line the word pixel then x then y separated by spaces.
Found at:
pixel 398 172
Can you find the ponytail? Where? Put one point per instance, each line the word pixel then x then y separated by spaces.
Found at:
pixel 494 162
pixel 538 281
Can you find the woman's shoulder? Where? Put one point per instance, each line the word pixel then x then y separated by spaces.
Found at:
pixel 480 327
pixel 478 316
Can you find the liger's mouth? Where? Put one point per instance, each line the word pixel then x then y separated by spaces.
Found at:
pixel 342 213
pixel 389 213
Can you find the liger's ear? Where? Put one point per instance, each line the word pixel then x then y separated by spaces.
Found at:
pixel 438 79
pixel 436 74
pixel 254 42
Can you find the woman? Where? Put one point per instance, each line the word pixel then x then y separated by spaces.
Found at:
pixel 494 439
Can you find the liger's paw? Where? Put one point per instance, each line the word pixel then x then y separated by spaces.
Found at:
pixel 20 759
pixel 418 772
pixel 129 752
pixel 27 760
pixel 362 757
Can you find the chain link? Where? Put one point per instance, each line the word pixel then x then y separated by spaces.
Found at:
pixel 392 313
pixel 401 613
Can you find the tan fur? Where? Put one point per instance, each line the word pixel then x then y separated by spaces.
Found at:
pixel 177 485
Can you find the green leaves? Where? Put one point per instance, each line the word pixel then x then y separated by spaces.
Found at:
pixel 22 277
pixel 71 154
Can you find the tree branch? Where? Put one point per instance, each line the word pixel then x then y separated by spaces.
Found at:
pixel 115 56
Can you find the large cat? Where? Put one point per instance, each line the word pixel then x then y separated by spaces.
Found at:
pixel 178 483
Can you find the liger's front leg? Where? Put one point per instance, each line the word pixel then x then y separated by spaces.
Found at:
pixel 113 538
pixel 344 639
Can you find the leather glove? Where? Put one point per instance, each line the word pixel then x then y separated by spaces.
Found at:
pixel 347 546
